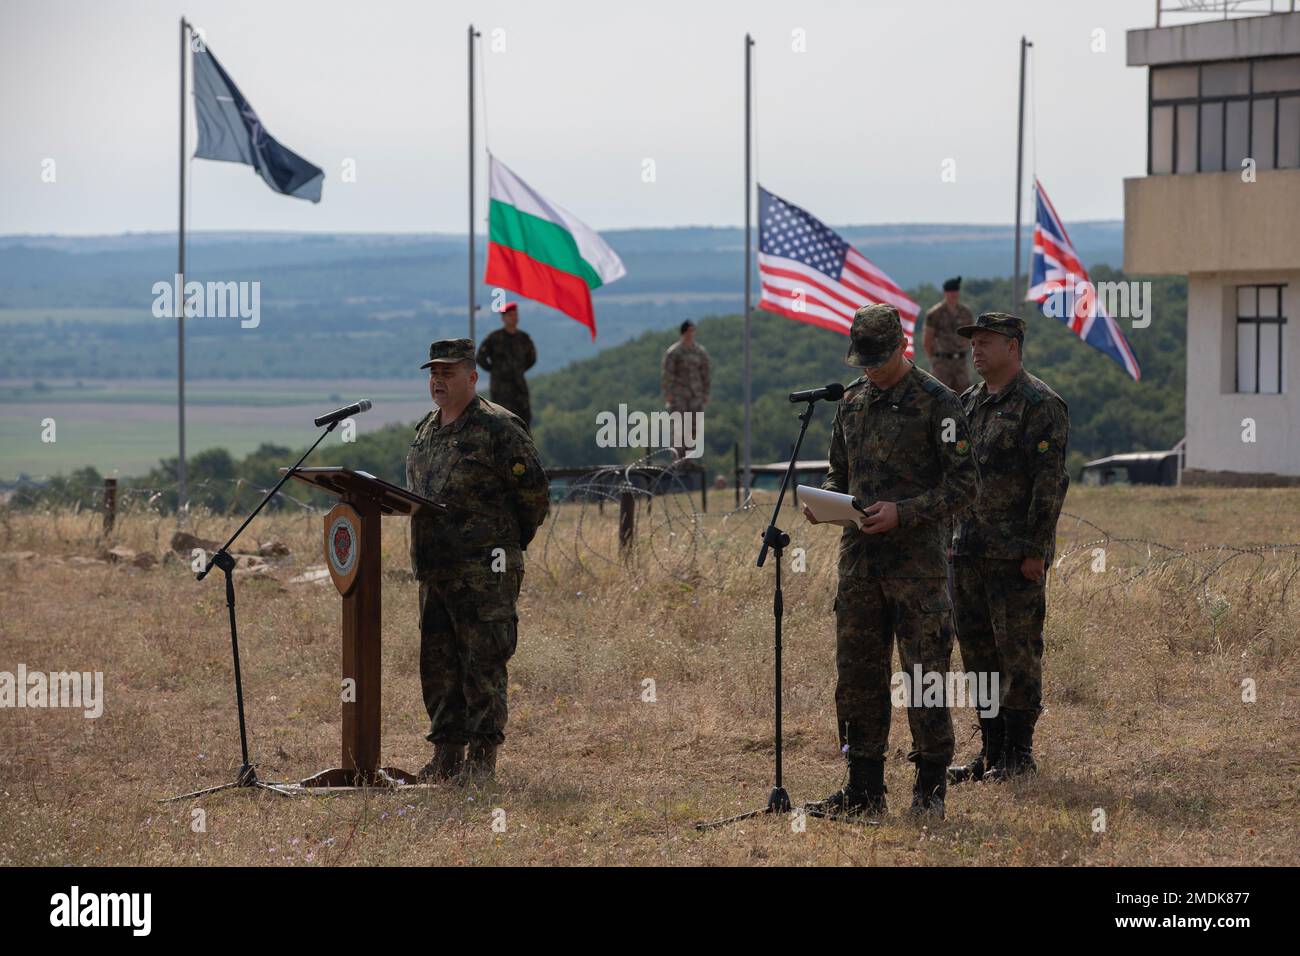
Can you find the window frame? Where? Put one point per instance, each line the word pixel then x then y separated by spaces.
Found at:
pixel 1250 97
pixel 1258 321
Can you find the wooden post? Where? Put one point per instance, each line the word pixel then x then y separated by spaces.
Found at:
pixel 736 473
pixel 626 520
pixel 110 504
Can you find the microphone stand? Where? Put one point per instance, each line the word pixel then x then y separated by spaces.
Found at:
pixel 776 540
pixel 223 559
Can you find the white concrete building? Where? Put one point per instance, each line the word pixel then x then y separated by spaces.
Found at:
pixel 1221 204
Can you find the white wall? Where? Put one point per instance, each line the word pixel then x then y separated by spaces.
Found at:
pixel 1214 411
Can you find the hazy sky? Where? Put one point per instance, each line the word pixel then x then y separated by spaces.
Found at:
pixel 857 127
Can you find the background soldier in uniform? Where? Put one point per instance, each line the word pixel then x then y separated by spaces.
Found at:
pixel 1003 547
pixel 684 378
pixel 508 353
pixel 943 346
pixel 476 457
pixel 899 445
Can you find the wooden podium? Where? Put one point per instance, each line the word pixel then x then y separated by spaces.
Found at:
pixel 353 556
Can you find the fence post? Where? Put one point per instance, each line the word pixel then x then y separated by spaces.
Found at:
pixel 735 474
pixel 110 503
pixel 626 520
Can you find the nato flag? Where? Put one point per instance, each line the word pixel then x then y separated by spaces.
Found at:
pixel 230 130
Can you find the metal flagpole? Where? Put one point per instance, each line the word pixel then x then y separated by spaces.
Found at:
pixel 749 44
pixel 180 305
pixel 1020 162
pixel 473 305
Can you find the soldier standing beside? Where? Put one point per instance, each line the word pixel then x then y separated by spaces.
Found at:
pixel 946 349
pixel 684 378
pixel 1003 547
pixel 507 354
pixel 476 457
pixel 899 445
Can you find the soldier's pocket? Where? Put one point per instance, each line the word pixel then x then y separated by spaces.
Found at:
pixel 936 626
pixel 498 613
pixel 502 631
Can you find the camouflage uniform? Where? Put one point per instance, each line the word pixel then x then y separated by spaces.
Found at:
pixel 485 463
pixel 951 360
pixel 507 356
pixel 907 445
pixel 1020 436
pixel 684 377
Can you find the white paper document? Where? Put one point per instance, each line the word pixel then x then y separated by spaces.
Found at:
pixel 830 506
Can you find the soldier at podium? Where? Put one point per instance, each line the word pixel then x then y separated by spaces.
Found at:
pixel 476 457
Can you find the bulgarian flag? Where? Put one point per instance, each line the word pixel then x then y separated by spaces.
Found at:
pixel 542 252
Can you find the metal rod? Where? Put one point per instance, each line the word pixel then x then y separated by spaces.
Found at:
pixel 1020 162
pixel 473 305
pixel 180 306
pixel 749 44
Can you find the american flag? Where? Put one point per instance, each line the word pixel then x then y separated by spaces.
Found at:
pixel 810 274
pixel 1061 286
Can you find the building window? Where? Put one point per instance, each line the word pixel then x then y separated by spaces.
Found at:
pixel 1260 324
pixel 1210 117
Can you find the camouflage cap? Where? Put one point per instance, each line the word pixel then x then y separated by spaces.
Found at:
pixel 450 350
pixel 1003 323
pixel 877 332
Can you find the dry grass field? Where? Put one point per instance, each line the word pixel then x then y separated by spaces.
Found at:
pixel 1145 717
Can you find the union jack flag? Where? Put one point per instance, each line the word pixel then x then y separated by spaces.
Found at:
pixel 1060 285
pixel 810 274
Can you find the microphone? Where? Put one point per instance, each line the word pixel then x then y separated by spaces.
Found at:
pixel 832 393
pixel 347 411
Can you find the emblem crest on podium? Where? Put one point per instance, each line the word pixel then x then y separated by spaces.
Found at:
pixel 342 546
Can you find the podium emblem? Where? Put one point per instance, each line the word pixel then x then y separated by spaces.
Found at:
pixel 342 546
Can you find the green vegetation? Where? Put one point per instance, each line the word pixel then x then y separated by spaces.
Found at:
pixel 1109 412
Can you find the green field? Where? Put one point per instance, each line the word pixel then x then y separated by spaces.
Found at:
pixel 62 314
pixel 126 427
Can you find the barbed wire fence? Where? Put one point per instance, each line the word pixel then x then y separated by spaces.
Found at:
pixel 637 520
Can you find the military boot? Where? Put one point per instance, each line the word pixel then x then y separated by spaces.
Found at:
pixel 446 763
pixel 481 764
pixel 863 794
pixel 1018 750
pixel 929 790
pixel 991 736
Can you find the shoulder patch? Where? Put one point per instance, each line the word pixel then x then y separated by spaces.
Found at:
pixel 934 386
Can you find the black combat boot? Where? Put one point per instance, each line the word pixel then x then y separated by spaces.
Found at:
pixel 446 763
pixel 481 764
pixel 991 735
pixel 863 794
pixel 929 790
pixel 1018 751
